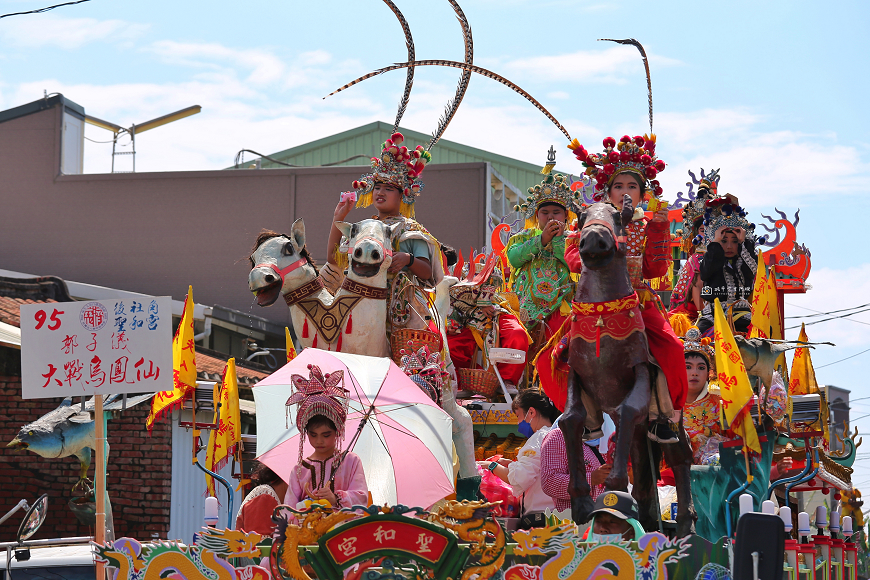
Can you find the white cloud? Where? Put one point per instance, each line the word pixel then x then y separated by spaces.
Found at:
pixel 68 33
pixel 611 65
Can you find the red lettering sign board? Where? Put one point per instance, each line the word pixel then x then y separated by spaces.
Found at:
pixel 388 535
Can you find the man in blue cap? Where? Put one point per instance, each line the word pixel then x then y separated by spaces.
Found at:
pixel 615 518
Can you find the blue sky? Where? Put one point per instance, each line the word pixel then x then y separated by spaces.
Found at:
pixel 773 93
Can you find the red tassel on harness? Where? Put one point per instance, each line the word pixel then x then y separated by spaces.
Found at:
pixel 598 326
pixel 338 346
pixel 349 328
pixel 305 329
pixel 314 344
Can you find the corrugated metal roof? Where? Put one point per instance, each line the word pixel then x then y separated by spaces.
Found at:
pixel 366 141
pixel 188 486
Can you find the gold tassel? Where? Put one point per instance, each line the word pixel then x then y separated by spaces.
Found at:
pixel 364 200
pixel 547 168
pixel 407 210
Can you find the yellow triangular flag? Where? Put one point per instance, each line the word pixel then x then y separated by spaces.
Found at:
pixel 291 350
pixel 803 380
pixel 760 302
pixel 183 366
pixel 776 330
pixel 225 441
pixel 735 391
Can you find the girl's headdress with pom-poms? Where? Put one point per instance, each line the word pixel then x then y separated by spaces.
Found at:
pixel 319 394
pixel 397 166
pixel 555 188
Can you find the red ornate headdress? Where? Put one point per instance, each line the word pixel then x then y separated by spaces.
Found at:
pixel 319 395
pixel 397 166
pixel 426 369
pixel 637 155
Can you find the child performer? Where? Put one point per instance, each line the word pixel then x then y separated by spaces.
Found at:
pixel 327 473
pixel 701 411
pixel 539 273
pixel 630 168
pixel 393 186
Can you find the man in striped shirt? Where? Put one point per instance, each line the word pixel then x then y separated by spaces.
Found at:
pixel 554 469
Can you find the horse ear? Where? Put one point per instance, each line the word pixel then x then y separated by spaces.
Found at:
pixel 581 219
pixel 297 234
pixel 395 229
pixel 345 229
pixel 627 210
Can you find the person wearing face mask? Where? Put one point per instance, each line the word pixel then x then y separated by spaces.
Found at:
pixel 729 265
pixel 614 518
pixel 536 414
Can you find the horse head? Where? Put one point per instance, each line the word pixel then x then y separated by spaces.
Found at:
pixel 602 232
pixel 369 246
pixel 276 263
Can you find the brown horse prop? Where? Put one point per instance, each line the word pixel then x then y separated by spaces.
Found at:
pixel 609 363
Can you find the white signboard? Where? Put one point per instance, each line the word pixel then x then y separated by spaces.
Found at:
pixel 105 346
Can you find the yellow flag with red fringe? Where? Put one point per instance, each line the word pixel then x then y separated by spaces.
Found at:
pixel 291 350
pixel 735 391
pixel 224 441
pixel 760 302
pixel 183 367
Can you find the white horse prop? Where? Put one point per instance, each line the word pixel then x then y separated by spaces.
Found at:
pixel 354 320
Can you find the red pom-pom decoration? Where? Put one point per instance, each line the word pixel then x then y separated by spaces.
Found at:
pixel 397 138
pixel 659 190
pixel 635 157
pixel 638 140
pixel 624 156
pixel 650 172
pixel 599 186
pixel 609 168
pixel 613 156
pixel 660 165
pixel 609 142
pixel 625 139
pixel 645 159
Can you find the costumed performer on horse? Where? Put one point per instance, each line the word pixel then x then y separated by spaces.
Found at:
pixel 393 186
pixel 540 276
pixel 629 168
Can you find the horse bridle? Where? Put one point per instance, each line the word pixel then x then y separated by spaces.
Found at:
pixel 387 251
pixel 282 272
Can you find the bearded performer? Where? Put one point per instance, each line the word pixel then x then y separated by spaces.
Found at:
pixel 686 303
pixel 729 264
pixel 481 319
pixel 629 168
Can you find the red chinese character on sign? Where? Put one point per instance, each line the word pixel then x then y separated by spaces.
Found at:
pixel 189 346
pixel 727 381
pixel 734 357
pixel 93 316
pixel 119 341
pixel 73 371
pixel 98 376
pixel 69 344
pixel 51 370
pixel 93 346
pixel 726 347
pixel 119 370
pixel 151 372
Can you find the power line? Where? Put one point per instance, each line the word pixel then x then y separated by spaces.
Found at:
pixel 46 9
pixel 820 312
pixel 831 318
pixel 842 359
pixel 824 313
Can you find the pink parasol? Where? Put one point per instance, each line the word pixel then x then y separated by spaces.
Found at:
pixel 402 437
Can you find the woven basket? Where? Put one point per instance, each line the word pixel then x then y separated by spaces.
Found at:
pixel 400 338
pixel 482 382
